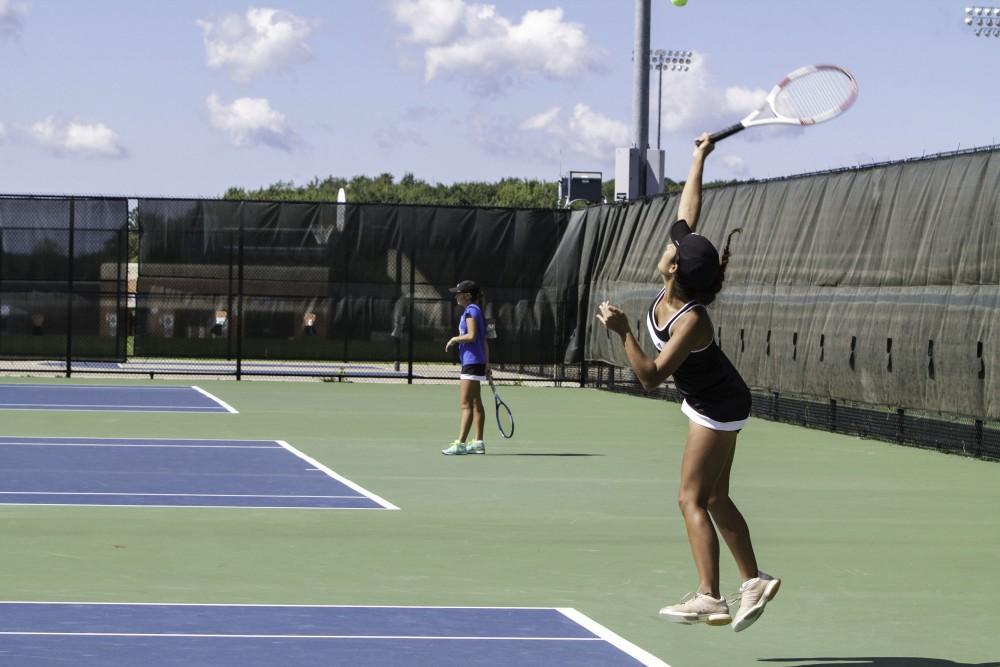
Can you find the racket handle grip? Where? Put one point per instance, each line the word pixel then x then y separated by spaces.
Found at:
pixel 729 131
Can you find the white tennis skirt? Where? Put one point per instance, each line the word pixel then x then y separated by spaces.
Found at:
pixel 708 422
pixel 473 372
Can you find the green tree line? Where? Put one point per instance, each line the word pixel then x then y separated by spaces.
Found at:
pixel 385 189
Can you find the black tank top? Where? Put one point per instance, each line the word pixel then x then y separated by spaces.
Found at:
pixel 707 380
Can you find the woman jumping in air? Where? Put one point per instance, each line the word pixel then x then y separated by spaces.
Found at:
pixel 716 401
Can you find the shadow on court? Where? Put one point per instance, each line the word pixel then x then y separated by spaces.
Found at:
pixel 877 662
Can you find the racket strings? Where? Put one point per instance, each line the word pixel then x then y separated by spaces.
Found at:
pixel 815 96
pixel 505 421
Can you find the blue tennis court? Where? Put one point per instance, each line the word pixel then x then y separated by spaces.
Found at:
pixel 172 473
pixel 120 398
pixel 223 367
pixel 162 635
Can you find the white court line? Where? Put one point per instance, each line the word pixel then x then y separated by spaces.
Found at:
pixel 235 636
pixel 193 507
pixel 216 399
pixel 140 439
pixel 602 633
pixel 111 407
pixel 18 385
pixel 280 444
pixel 99 444
pixel 619 642
pixel 343 480
pixel 263 604
pixel 117 407
pixel 158 495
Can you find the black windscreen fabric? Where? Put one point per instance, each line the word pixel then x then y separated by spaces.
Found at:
pixel 878 285
pixel 60 251
pixel 563 286
pixel 343 281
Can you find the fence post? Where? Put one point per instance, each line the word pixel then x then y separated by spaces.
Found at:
pixel 230 313
pixel 119 310
pixel 979 439
pixel 412 325
pixel 69 290
pixel 1 281
pixel 346 319
pixel 239 298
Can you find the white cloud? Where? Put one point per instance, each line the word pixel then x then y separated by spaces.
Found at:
pixel 742 101
pixel 541 121
pixel 692 104
pixel 12 15
pixel 95 140
pixel 596 135
pixel 735 165
pixel 261 40
pixel 250 121
pixel 473 39
pixel 585 133
pixel 430 21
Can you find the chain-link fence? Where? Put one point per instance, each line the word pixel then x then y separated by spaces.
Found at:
pixel 832 329
pixel 342 290
pixel 63 293
pixel 945 433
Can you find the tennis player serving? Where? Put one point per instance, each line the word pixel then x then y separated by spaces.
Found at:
pixel 716 401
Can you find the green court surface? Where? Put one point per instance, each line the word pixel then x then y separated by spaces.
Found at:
pixel 889 555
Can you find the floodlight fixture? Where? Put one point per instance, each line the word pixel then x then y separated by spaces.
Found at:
pixel 671 60
pixel 984 21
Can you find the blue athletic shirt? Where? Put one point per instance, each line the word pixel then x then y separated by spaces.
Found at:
pixel 474 352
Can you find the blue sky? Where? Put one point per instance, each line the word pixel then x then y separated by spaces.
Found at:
pixel 187 98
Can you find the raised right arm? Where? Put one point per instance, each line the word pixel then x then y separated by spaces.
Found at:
pixel 689 208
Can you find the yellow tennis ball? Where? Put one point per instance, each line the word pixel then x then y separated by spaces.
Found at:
pixel 679 3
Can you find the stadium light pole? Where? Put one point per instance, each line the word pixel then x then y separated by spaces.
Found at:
pixel 640 90
pixel 672 61
pixel 635 175
pixel 984 21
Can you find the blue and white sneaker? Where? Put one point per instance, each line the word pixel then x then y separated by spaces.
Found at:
pixel 475 447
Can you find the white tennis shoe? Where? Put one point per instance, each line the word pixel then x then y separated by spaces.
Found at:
pixel 698 608
pixel 475 447
pixel 456 448
pixel 754 594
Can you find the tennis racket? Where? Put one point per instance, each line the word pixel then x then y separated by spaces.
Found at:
pixel 505 419
pixel 807 96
